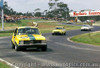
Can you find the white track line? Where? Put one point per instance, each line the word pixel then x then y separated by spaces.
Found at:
pixel 7 61
pixel 47 62
pixel 13 66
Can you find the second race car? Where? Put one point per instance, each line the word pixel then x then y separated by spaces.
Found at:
pixel 59 30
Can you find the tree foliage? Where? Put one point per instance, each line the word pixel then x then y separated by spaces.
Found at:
pixel 58 10
pixel 9 11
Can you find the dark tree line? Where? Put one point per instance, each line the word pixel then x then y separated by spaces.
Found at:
pixel 9 11
pixel 56 10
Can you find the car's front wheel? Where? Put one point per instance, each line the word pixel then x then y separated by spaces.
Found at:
pixel 52 33
pixel 64 33
pixel 13 46
pixel 17 48
pixel 89 29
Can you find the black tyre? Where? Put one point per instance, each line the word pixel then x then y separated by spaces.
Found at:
pixel 13 46
pixel 17 48
pixel 89 29
pixel 52 33
pixel 64 33
pixel 44 48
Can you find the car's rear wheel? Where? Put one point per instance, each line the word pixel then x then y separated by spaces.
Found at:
pixel 89 29
pixel 44 48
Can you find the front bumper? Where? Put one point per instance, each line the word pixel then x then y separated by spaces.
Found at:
pixel 85 29
pixel 57 33
pixel 38 45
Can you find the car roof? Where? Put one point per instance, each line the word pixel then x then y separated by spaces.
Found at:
pixel 26 27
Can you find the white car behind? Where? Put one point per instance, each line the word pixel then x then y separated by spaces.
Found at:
pixel 86 27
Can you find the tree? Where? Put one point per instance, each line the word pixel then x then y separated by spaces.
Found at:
pixel 53 4
pixel 37 12
pixel 59 10
pixel 50 14
pixel 44 13
pixel 63 10
pixel 9 11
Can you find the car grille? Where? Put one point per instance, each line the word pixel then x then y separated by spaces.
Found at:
pixel 57 32
pixel 32 42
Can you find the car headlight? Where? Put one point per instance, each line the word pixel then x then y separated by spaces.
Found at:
pixel 44 41
pixel 21 42
pixel 53 31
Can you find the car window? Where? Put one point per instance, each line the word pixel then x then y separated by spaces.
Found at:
pixel 28 31
pixel 59 28
pixel 86 26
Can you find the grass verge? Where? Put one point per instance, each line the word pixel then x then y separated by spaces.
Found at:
pixel 4 65
pixel 88 38
pixel 97 23
pixel 6 33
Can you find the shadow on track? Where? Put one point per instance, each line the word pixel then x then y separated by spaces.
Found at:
pixel 37 50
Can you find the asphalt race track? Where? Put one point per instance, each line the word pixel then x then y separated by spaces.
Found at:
pixel 60 54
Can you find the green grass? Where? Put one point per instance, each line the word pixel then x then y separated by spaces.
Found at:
pixel 20 23
pixel 3 65
pixel 97 23
pixel 5 34
pixel 88 38
pixel 68 27
pixel 46 30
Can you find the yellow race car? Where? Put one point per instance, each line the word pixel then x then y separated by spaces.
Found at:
pixel 28 37
pixel 59 30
